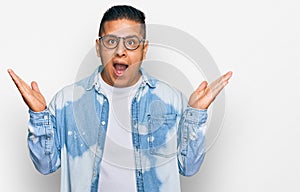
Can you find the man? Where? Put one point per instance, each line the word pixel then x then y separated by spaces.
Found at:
pixel 119 129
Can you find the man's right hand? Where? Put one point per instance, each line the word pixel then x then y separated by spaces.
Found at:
pixel 31 95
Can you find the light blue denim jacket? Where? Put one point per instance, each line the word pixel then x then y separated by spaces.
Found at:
pixel 168 136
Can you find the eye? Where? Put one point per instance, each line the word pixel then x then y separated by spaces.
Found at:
pixel 131 42
pixel 111 41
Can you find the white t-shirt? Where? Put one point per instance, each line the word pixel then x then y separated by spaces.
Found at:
pixel 117 166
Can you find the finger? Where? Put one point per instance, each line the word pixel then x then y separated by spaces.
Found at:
pixel 219 84
pixel 216 88
pixel 13 76
pixel 227 76
pixel 21 85
pixel 17 80
pixel 224 78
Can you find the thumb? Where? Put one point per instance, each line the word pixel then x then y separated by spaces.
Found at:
pixel 35 86
pixel 202 86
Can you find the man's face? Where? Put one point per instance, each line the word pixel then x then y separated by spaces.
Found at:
pixel 121 66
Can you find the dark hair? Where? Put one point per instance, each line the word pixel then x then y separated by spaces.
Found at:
pixel 124 12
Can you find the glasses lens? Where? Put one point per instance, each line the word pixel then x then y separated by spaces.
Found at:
pixel 110 41
pixel 132 42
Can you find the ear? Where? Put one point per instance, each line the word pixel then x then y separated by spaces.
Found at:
pixel 98 47
pixel 145 49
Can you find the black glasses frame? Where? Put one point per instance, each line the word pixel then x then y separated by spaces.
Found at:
pixel 124 41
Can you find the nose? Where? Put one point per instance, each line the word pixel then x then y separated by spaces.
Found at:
pixel 121 49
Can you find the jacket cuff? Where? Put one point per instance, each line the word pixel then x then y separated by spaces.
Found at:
pixel 195 116
pixel 39 123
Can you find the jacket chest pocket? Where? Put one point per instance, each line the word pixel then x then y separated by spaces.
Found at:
pixel 162 135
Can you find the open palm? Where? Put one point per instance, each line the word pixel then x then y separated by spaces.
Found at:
pixel 205 94
pixel 30 94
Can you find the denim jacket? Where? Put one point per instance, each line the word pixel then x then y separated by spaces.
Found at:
pixel 168 136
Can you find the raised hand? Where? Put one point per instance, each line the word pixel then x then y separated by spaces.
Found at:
pixel 31 95
pixel 205 94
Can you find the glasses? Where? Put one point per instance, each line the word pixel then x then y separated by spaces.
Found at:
pixel 130 42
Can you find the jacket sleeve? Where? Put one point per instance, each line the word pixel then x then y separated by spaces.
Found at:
pixel 43 141
pixel 191 140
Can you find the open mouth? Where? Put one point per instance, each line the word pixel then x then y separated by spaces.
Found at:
pixel 120 69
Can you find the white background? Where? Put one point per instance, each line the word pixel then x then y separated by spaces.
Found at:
pixel 258 147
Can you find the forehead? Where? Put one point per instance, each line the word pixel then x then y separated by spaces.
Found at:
pixel 122 27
